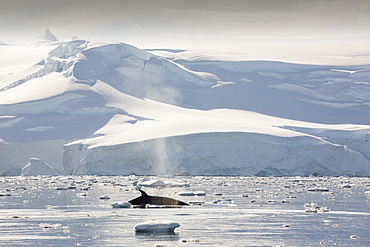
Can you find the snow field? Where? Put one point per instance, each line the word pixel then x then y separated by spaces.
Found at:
pixel 120 110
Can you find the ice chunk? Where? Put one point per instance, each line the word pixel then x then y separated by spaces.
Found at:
pixel 61 188
pixel 223 201
pixel 153 183
pixel 160 183
pixel 346 186
pixel 192 193
pixel 104 198
pixel 196 203
pixel 313 208
pixel 324 209
pixel 190 241
pixel 47 225
pixel 156 226
pixel 318 189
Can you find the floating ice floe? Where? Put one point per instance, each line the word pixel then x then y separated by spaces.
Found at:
pixel 190 241
pixel 121 205
pixel 104 198
pixel 271 201
pixel 156 226
pixel 196 203
pixel 223 201
pixel 324 210
pixel 61 188
pixel 313 208
pixel 191 193
pixel 346 186
pixel 367 192
pixel 328 193
pixel 318 189
pixel 161 183
pixel 47 225
pixel 310 205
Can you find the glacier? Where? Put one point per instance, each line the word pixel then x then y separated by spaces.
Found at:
pixel 37 167
pixel 109 108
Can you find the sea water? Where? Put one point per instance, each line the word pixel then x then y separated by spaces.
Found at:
pixel 235 211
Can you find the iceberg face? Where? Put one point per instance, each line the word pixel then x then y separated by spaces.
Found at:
pixel 222 154
pixel 14 156
pixel 37 167
pixel 109 108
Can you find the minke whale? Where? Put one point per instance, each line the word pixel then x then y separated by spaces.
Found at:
pixel 144 200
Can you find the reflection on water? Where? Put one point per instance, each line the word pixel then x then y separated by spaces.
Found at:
pixel 155 236
pixel 236 211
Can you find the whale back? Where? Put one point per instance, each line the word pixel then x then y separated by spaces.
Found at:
pixel 145 199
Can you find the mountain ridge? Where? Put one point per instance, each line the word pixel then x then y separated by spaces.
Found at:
pixel 114 109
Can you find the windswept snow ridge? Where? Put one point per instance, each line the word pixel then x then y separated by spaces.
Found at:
pixel 109 108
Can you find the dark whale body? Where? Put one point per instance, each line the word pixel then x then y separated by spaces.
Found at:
pixel 143 200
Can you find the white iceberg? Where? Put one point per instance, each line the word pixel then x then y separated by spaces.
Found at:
pixel 37 167
pixel 156 226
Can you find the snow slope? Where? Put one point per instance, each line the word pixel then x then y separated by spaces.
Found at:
pixel 103 107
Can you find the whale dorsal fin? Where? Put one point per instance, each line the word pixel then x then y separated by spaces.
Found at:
pixel 143 193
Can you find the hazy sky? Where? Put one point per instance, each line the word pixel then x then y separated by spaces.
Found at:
pixel 184 23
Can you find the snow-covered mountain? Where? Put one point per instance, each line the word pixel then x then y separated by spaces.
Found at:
pixel 102 107
pixel 46 38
